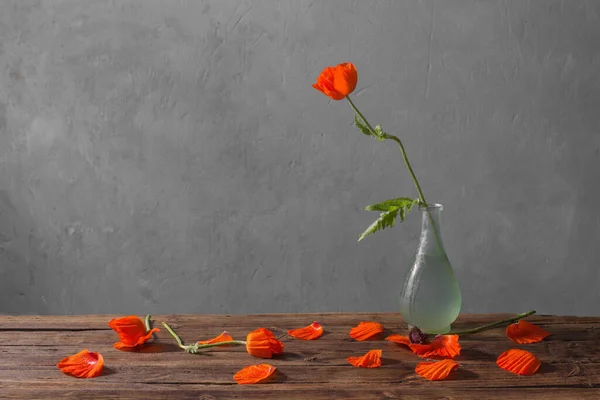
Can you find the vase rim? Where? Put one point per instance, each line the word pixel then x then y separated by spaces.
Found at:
pixel 432 207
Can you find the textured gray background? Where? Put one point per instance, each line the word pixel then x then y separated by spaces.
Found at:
pixel 172 156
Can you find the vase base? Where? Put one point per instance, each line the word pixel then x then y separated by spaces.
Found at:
pixel 439 331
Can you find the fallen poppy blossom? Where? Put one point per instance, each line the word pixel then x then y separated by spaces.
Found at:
pixel 254 374
pixel 365 330
pixel 399 339
pixel 84 364
pixel 262 343
pixel 518 362
pixel 131 330
pixel 436 371
pixel 223 337
pixel 442 346
pixel 337 82
pixel 524 332
pixel 370 360
pixel 310 332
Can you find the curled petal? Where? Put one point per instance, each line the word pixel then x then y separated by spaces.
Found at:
pixel 310 332
pixel 84 364
pixel 131 330
pixel 254 374
pixel 524 332
pixel 442 346
pixel 223 337
pixel 262 343
pixel 365 330
pixel 370 360
pixel 436 371
pixel 518 362
pixel 399 339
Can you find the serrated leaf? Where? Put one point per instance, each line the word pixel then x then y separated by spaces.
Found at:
pixel 361 126
pixel 400 202
pixel 386 220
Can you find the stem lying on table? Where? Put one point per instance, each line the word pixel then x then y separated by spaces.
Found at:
pixel 493 324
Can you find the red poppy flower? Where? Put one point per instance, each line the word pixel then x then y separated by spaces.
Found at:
pixel 337 82
pixel 442 346
pixel 263 344
pixel 131 330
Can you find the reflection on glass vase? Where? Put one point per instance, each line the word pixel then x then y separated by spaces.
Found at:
pixel 431 298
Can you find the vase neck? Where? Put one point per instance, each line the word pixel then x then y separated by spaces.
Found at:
pixel 431 236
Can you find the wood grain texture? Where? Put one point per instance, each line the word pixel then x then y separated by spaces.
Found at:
pixel 30 347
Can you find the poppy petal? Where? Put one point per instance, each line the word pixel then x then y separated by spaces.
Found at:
pixel 131 330
pixel 365 330
pixel 84 364
pixel 524 332
pixel 436 371
pixel 223 337
pixel 310 332
pixel 372 359
pixel 442 346
pixel 345 78
pixel 262 343
pixel 254 374
pixel 399 339
pixel 518 362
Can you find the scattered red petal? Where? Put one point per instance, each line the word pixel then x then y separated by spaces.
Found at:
pixel 518 362
pixel 524 332
pixel 310 332
pixel 84 364
pixel 370 360
pixel 254 374
pixel 399 339
pixel 365 330
pixel 436 371
pixel 442 346
pixel 131 330
pixel 223 337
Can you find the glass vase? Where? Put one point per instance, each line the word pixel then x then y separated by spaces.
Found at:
pixel 430 298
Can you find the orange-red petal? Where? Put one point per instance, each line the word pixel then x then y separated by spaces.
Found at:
pixel 365 330
pixel 223 337
pixel 518 362
pixel 372 359
pixel 254 374
pixel 310 332
pixel 524 332
pixel 131 330
pixel 84 364
pixel 436 371
pixel 399 339
pixel 442 346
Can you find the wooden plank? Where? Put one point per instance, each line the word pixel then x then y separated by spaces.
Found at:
pixel 292 392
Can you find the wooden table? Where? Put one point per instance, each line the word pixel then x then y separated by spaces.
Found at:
pixel 30 347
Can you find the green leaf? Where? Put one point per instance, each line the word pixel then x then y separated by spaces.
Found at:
pixel 385 220
pixel 361 126
pixel 400 202
pixel 391 210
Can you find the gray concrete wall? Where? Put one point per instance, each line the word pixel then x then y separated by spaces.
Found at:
pixel 172 156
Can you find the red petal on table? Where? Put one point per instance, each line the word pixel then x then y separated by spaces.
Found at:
pixel 436 371
pixel 84 364
pixel 442 346
pixel 254 374
pixel 223 337
pixel 370 360
pixel 524 332
pixel 310 332
pixel 131 330
pixel 518 362
pixel 399 339
pixel 365 330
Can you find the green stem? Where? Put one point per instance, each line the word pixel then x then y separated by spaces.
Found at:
pixel 193 348
pixel 203 346
pixel 147 322
pixel 176 336
pixel 493 324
